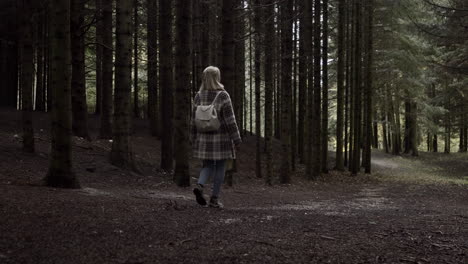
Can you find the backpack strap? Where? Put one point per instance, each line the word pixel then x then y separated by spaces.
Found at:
pixel 216 97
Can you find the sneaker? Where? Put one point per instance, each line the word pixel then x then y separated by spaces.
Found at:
pixel 199 196
pixel 214 202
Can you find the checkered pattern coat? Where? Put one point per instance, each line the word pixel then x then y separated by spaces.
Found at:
pixel 218 145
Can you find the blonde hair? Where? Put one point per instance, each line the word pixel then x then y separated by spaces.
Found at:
pixel 211 79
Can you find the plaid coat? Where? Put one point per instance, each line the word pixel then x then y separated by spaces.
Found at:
pixel 217 145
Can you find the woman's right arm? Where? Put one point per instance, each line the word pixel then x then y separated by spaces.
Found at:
pixel 230 121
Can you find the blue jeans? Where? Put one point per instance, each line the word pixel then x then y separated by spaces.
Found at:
pixel 215 168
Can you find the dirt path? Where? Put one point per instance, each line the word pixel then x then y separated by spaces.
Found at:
pixel 122 217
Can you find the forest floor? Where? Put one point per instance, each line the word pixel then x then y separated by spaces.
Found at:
pixel 410 210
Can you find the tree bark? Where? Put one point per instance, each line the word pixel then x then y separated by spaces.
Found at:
pixel 27 75
pixel 258 56
pixel 79 103
pixel 105 131
pixel 302 69
pixel 166 83
pixel 369 9
pixel 152 51
pixel 269 79
pixel 121 153
pixel 60 172
pixel 99 50
pixel 286 13
pixel 340 86
pixel 136 105
pixel 40 45
pixel 324 138
pixel 182 93
pixel 316 114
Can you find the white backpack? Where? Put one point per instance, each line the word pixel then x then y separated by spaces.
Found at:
pixel 206 117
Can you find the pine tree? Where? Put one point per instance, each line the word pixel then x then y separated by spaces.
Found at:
pixel 105 131
pixel 340 85
pixel 257 63
pixel 27 75
pixel 286 13
pixel 153 102
pixel 166 83
pixel 268 72
pixel 60 172
pixel 121 153
pixel 324 137
pixel 79 103
pixel 182 93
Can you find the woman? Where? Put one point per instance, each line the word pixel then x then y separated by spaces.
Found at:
pixel 214 147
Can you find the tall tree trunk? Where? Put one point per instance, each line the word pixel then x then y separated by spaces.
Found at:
pixel 60 172
pixel 105 131
pixel 228 44
pixel 356 161
pixel 286 13
pixel 136 106
pixel 152 51
pixel 310 86
pixel 79 104
pixel 369 10
pixel 40 92
pixel 182 93
pixel 27 75
pixel 269 79
pixel 251 77
pixel 166 83
pixel 99 50
pixel 316 114
pixel 414 129
pixel 324 148
pixel 258 56
pixel 121 153
pixel 340 86
pixel 302 69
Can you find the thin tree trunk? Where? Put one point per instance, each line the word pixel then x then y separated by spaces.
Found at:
pixel 40 92
pixel 269 79
pixel 121 153
pixel 340 86
pixel 286 13
pixel 182 93
pixel 302 69
pixel 357 91
pixel 369 8
pixel 60 172
pixel 27 75
pixel 136 106
pixel 316 114
pixel 79 103
pixel 105 131
pixel 258 55
pixel 324 139
pixel 166 83
pixel 152 51
pixel 99 51
pixel 310 86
